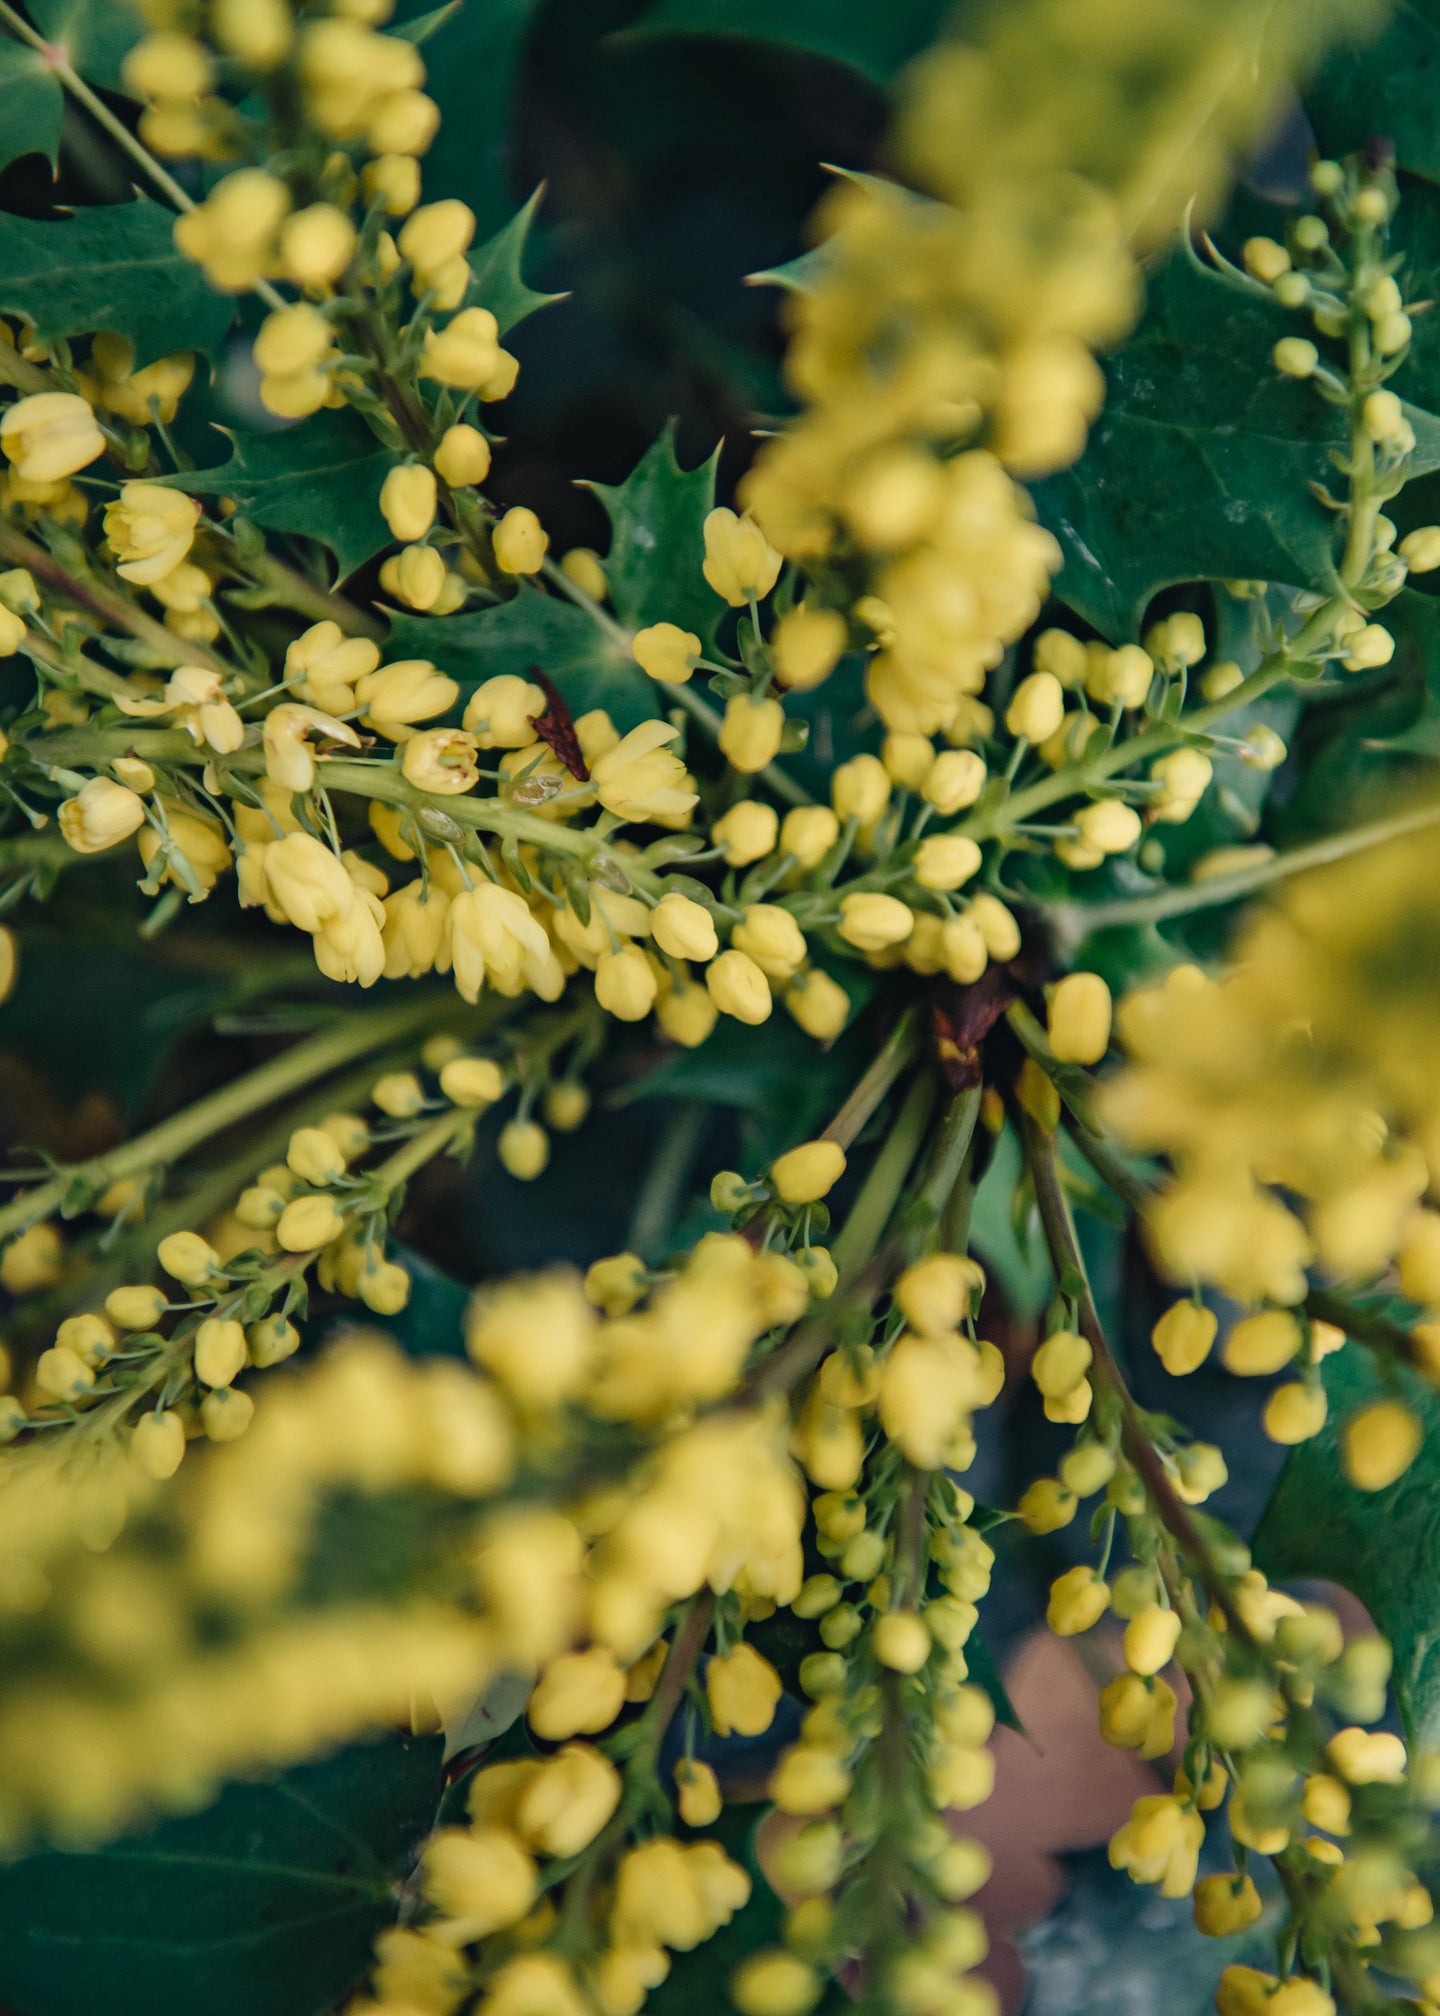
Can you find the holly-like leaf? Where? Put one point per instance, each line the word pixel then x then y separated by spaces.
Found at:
pixel 588 667
pixel 1384 1546
pixel 875 41
pixel 268 1900
pixel 1199 467
pixel 1387 87
pixel 499 284
pixel 321 478
pixel 32 105
pixel 657 542
pixel 96 35
pixel 112 267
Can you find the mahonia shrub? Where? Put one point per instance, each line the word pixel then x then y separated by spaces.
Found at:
pixel 1010 800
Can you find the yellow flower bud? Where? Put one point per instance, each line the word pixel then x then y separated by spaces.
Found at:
pixel 135 1308
pixel 1037 708
pixel 583 566
pixel 1078 1599
pixel 1295 1412
pixel 774 1983
pixel 769 935
pixel 738 987
pixel 481 1876
pixel 466 353
pixel 1420 549
pixel 226 1413
pixel 63 1374
pixel 747 832
pixel 1370 646
pixel 954 781
pixel 666 652
pixel 751 731
pixel 1183 1337
pixel 219 1351
pixel 259 32
pixel 860 789
pixel 579 1693
pixel 742 1690
pixel 871 921
pixel 436 234
pixel 1261 1344
pixel 100 815
pixel 1046 1506
pixel 684 928
pixel 307 1223
pixel 1108 825
pixel 1379 1443
pixel 150 529
pixel 271 1341
pixel 1079 1019
pixel 316 245
pixel 186 1257
pixel 808 1780
pixel 1264 259
pixel 901 1641
pixel 407 501
pixel 936 1294
pixel 739 560
pixel 1060 1364
pixel 396 695
pixel 1150 1639
pixel 1367 1757
pixel 1225 1905
pixel 524 1149
pixel 946 861
pixel 698 1792
pixel 463 456
pixel 472 1081
pixel 1326 1804
pixel 521 542
pixel 499 712
pixel 157 1443
pixel 687 1015
pixel 625 984
pixel 806 645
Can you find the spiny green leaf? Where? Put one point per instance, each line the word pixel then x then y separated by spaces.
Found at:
pixel 32 105
pixel 113 267
pixel 1386 87
pixel 657 542
pixel 874 40
pixel 587 666
pixel 1384 1546
pixel 321 478
pixel 1200 465
pixel 498 283
pixel 267 1900
pixel 95 34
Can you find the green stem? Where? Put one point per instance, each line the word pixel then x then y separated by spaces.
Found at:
pixel 898 1050
pixel 871 1212
pixel 113 610
pixel 351 1037
pixel 1072 921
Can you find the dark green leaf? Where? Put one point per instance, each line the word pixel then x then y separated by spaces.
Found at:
pixel 498 283
pixel 1104 1952
pixel 776 1071
pixel 420 27
pixel 32 105
pixel 877 41
pixel 114 267
pixel 1386 88
pixel 429 1324
pixel 1199 468
pixel 533 629
pixel 269 1900
pixel 1384 1546
pixel 321 478
pixel 472 60
pixel 95 34
pixel 656 541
